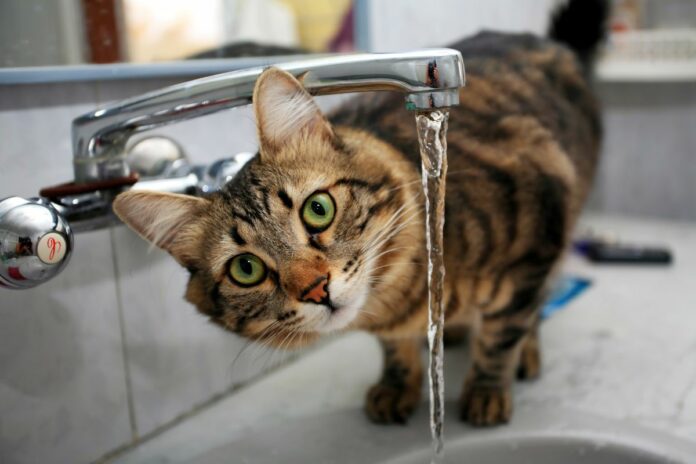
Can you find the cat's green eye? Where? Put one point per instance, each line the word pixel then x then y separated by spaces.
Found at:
pixel 318 212
pixel 247 270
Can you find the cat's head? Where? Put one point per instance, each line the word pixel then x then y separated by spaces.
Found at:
pixel 309 231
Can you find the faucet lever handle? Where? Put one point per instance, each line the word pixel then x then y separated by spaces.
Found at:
pixel 35 242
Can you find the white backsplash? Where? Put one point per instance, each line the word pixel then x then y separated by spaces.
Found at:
pixel 65 386
pixel 63 395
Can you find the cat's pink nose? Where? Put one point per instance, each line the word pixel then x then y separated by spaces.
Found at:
pixel 316 291
pixel 307 280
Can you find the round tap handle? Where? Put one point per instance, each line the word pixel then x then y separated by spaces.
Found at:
pixel 35 242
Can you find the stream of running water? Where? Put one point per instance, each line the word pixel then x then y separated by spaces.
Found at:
pixel 432 136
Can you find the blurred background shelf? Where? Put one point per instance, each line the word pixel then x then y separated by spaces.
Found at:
pixel 609 70
pixel 658 55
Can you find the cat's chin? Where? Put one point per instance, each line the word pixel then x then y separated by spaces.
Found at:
pixel 343 314
pixel 339 319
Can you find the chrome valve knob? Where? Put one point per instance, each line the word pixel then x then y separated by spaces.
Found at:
pixel 35 242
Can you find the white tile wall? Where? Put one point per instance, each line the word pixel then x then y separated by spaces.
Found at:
pixel 63 394
pixel 649 160
pixel 62 386
pixel 63 383
pixel 177 359
pixel 64 389
pixel 35 145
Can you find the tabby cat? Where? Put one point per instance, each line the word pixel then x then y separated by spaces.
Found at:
pixel 323 230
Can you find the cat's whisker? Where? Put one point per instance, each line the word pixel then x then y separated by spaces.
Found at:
pixel 396 285
pixel 230 369
pixel 273 348
pixel 369 314
pixel 376 282
pixel 373 259
pixel 370 259
pixel 281 345
pixel 403 185
pixel 367 311
pixel 263 349
pixel 270 358
pixel 398 263
pixel 269 354
pixel 377 244
pixel 404 209
pixel 380 300
pixel 392 234
pixel 267 331
pixel 297 338
pixel 256 347
pixel 398 214
pixel 419 181
pixel 239 354
pixel 268 335
pixel 293 339
pixel 280 350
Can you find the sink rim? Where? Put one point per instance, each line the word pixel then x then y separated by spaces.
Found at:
pixel 584 442
pixel 347 436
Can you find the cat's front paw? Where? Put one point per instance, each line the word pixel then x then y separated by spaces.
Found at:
pixel 485 406
pixel 386 404
pixel 529 367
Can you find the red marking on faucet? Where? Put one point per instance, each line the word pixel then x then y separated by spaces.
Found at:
pixel 51 248
pixel 53 245
pixel 15 273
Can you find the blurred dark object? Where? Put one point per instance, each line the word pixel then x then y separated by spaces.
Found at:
pixel 580 25
pixel 344 40
pixel 248 49
pixel 599 251
pixel 102 31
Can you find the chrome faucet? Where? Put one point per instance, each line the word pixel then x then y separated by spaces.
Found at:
pixel 430 79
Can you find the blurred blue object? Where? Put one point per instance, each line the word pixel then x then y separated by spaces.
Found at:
pixel 565 290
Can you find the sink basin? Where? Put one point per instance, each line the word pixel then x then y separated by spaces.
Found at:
pixel 538 435
pixel 546 450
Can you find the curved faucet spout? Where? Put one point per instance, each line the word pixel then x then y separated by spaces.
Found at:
pixel 429 78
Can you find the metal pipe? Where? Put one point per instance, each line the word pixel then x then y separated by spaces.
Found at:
pixel 429 78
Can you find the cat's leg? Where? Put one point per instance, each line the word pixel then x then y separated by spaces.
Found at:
pixel 398 392
pixel 529 365
pixel 497 342
pixel 455 334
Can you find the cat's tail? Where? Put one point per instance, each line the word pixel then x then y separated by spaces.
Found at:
pixel 582 26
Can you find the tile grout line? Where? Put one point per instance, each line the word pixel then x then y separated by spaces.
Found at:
pixel 121 318
pixel 209 403
pixel 198 408
pixel 124 349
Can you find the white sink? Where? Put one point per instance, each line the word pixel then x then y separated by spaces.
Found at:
pixel 546 450
pixel 535 436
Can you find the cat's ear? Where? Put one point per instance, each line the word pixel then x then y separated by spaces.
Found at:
pixel 162 219
pixel 285 109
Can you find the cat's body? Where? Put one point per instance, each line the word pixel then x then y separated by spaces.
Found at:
pixel 324 230
pixel 522 147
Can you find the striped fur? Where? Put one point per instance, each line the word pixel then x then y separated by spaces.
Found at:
pixel 523 146
pixel 522 149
